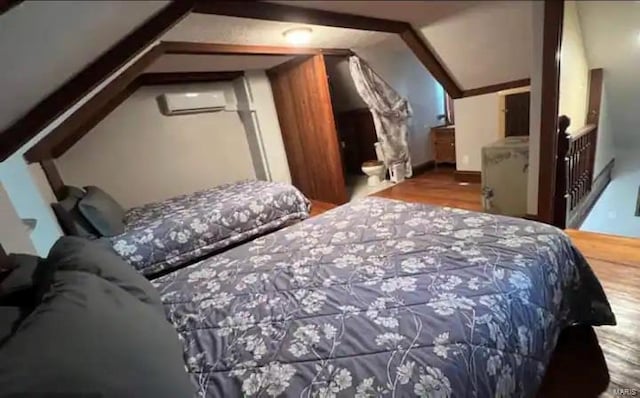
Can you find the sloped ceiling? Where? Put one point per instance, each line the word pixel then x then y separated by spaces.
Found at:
pixel 215 63
pixel 480 42
pixel 611 31
pixel 232 30
pixel 44 43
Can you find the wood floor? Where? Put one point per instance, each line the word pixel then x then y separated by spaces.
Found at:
pixel 587 362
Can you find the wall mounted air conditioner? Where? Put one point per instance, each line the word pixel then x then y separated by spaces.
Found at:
pixel 192 102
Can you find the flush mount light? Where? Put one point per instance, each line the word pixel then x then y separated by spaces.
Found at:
pixel 297 36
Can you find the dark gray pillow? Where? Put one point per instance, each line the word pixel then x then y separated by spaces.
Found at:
pixel 102 211
pixel 98 257
pixel 17 288
pixel 71 220
pixel 90 338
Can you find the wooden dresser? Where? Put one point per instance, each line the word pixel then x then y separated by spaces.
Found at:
pixel 443 144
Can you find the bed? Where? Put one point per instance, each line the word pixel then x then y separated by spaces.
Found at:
pixel 382 297
pixel 160 237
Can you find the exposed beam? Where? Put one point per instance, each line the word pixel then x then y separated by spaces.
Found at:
pixel 552 40
pixel 54 178
pixel 494 88
pixel 6 5
pixel 413 40
pixel 194 48
pixel 280 12
pixel 287 13
pixel 30 124
pixel 71 129
pixel 148 79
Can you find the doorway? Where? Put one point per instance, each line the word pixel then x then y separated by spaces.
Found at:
pixel 355 128
pixel 516 114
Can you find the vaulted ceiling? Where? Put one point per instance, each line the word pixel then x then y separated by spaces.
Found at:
pixel 611 33
pixel 232 30
pixel 44 43
pixel 481 43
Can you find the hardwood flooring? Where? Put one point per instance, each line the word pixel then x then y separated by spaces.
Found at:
pixel 587 362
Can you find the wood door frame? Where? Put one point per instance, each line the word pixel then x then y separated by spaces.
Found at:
pixel 302 177
pixel 552 43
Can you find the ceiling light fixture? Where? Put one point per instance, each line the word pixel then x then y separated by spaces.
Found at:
pixel 298 36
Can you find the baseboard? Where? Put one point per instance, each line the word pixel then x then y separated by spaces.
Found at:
pixel 468 176
pixel 599 184
pixel 423 167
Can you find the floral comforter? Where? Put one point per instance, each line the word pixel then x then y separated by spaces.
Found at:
pixel 383 298
pixel 164 235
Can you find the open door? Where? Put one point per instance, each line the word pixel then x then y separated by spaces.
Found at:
pixel 517 114
pixel 303 102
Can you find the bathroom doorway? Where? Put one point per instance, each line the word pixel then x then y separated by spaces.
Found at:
pixel 356 133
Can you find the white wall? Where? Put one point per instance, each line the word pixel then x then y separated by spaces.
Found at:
pixel 399 67
pixel 14 234
pixel 477 125
pixel 605 146
pixel 139 155
pixel 535 107
pixel 574 70
pixel 29 203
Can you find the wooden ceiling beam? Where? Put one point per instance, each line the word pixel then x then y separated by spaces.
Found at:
pixel 281 12
pixel 74 127
pixel 161 78
pixel 197 48
pixel 494 88
pixel 56 103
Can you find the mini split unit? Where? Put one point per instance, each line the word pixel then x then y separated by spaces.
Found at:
pixel 192 102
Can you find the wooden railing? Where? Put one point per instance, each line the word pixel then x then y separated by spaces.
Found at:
pixel 576 158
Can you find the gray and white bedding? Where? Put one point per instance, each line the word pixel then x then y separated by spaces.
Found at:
pixel 383 298
pixel 164 235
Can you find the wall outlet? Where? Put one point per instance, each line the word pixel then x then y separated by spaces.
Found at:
pixel 465 160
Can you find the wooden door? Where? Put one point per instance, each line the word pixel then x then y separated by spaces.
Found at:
pixel 302 99
pixel 516 114
pixel 595 96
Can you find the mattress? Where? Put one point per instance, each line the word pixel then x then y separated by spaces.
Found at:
pixel 381 297
pixel 166 235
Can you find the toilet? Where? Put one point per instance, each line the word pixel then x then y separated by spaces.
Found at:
pixel 375 169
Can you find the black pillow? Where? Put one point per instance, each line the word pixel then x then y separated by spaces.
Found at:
pixel 89 337
pixel 97 257
pixel 71 220
pixel 102 211
pixel 17 288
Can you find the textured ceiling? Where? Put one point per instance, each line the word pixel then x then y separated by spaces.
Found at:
pixel 215 63
pixel 611 33
pixel 479 42
pixel 231 30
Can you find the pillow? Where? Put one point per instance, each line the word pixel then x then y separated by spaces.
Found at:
pixel 98 257
pixel 17 287
pixel 69 217
pixel 90 338
pixel 102 211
